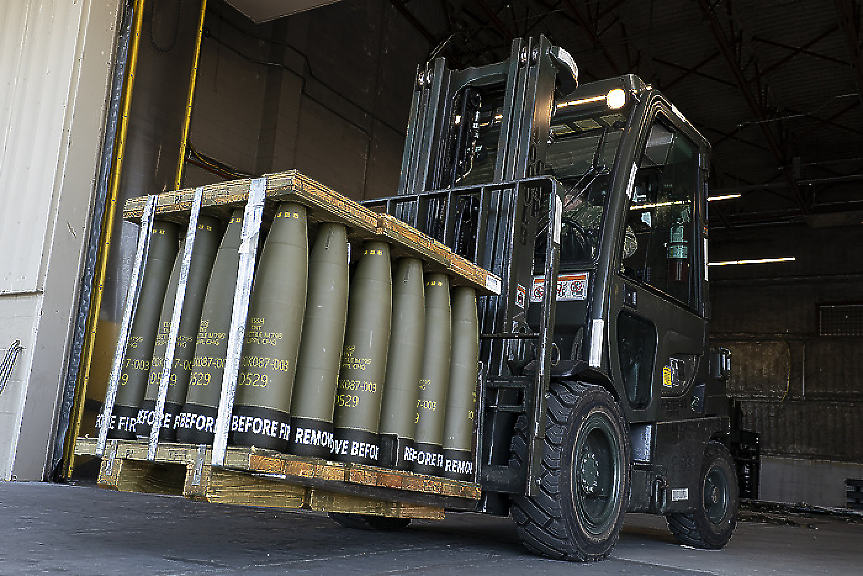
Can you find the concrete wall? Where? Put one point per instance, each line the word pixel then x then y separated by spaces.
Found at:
pixel 55 60
pixel 803 392
pixel 807 481
pixel 325 91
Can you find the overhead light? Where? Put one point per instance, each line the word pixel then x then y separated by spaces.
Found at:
pixel 658 204
pixel 616 98
pixel 580 102
pixel 723 197
pixel 759 261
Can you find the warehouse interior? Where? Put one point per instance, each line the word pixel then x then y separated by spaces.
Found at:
pixel 776 87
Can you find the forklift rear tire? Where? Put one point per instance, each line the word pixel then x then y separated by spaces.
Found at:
pixel 368 521
pixel 584 480
pixel 710 526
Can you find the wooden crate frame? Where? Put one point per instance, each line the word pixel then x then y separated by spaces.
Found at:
pixel 326 205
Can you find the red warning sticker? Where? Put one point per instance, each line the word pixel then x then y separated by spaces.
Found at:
pixel 520 296
pixel 569 287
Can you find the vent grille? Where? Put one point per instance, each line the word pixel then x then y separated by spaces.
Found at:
pixel 840 319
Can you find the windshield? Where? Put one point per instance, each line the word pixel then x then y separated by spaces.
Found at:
pixel 580 155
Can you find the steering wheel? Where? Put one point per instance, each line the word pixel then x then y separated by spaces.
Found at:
pixel 577 240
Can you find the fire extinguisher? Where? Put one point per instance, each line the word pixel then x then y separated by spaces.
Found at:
pixel 678 249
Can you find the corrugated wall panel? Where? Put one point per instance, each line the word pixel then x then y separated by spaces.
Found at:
pixel 55 62
pixel 834 366
pixel 813 429
pixel 761 369
pixel 37 64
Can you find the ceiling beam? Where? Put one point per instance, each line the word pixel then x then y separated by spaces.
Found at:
pixel 796 51
pixel 498 24
pixel 724 136
pixel 848 21
pixel 829 121
pixel 749 97
pixel 400 6
pixel 592 29
pixel 694 71
pixel 690 71
pixel 608 9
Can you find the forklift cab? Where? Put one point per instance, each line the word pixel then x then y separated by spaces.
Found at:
pixel 633 244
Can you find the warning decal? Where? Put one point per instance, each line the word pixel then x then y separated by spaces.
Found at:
pixel 569 287
pixel 667 376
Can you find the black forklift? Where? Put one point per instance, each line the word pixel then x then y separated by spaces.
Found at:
pixel 598 393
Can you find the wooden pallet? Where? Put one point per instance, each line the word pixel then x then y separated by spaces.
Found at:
pixel 326 205
pixel 256 477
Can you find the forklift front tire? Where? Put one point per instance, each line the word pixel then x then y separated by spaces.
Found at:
pixel 584 482
pixel 711 524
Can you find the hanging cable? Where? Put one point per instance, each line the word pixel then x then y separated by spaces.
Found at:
pixel 9 363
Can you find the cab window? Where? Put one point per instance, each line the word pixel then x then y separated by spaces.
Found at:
pixel 658 247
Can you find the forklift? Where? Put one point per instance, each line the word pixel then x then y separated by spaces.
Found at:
pixel 597 392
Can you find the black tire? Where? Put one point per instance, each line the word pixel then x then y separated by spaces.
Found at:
pixel 579 510
pixel 368 521
pixel 710 526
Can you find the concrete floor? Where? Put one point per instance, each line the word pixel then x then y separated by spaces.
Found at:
pixel 79 530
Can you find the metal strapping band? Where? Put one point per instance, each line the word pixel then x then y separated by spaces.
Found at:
pixel 199 464
pixel 112 454
pixel 248 251
pixel 179 299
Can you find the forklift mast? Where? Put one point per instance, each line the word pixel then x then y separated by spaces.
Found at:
pixel 473 178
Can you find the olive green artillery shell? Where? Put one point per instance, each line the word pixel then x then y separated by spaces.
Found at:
pixel 323 334
pixel 196 422
pixel 269 360
pixel 142 337
pixel 404 363
pixel 434 378
pixel 461 399
pixel 207 235
pixel 364 355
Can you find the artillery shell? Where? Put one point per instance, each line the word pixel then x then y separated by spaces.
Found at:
pixel 195 424
pixel 142 337
pixel 364 356
pixel 323 334
pixel 269 361
pixel 207 237
pixel 404 363
pixel 461 399
pixel 434 378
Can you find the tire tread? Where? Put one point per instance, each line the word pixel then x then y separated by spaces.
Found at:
pixel 540 519
pixel 691 528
